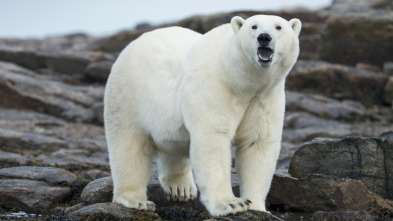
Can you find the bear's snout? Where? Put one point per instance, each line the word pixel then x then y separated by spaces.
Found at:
pixel 264 39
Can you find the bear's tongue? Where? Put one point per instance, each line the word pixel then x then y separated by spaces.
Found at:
pixel 265 54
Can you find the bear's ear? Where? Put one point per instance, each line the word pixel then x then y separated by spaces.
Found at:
pixel 237 23
pixel 296 25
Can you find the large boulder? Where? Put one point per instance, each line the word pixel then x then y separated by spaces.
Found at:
pixel 24 89
pixel 50 175
pixel 337 81
pixel 31 195
pixel 366 159
pixel 317 192
pixel 353 37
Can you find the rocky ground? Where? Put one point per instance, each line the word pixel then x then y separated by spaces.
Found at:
pixel 337 152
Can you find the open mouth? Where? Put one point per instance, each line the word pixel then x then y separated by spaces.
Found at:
pixel 265 54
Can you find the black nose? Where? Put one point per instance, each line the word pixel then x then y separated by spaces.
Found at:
pixel 264 39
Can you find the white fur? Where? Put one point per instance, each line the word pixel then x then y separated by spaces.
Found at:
pixel 184 97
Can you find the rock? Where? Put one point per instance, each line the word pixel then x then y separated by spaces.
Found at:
pixel 302 126
pixel 23 89
pixel 359 5
pixel 364 36
pixel 119 41
pixel 347 215
pixel 47 174
pixel 317 192
pixel 98 71
pixel 388 93
pixel 112 211
pixel 67 43
pixel 31 195
pixel 74 159
pixel 98 191
pixel 337 81
pixel 68 54
pixel 388 68
pixel 98 110
pixel 248 215
pixel 74 208
pixel 329 108
pixel 95 174
pixel 366 159
pixel 8 159
pixel 13 140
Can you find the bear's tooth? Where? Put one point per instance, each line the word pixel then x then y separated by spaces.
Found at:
pixel 271 56
pixel 260 57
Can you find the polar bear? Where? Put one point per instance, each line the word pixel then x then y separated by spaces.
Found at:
pixel 185 98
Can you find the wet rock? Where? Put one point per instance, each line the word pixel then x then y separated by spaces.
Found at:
pixel 347 215
pixel 317 192
pixel 356 38
pixel 337 81
pixel 366 159
pixel 22 89
pixel 388 93
pixel 112 211
pixel 248 215
pixel 47 174
pixel 31 195
pixel 98 71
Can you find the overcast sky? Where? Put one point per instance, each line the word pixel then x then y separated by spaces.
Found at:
pixel 42 18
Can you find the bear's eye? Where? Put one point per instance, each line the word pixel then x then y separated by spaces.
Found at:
pixel 278 27
pixel 254 27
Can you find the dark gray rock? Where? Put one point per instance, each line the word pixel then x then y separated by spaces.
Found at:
pixel 337 81
pixel 98 191
pixel 98 110
pixel 363 36
pixel 95 174
pixel 112 211
pixel 302 126
pixel 48 174
pixel 347 215
pixel 22 89
pixel 366 159
pixel 388 68
pixel 329 108
pixel 317 192
pixel 31 195
pixel 12 140
pixel 388 93
pixel 359 5
pixel 248 215
pixel 98 71
pixel 9 159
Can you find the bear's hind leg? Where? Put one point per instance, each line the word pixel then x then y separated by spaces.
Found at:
pixel 130 159
pixel 175 177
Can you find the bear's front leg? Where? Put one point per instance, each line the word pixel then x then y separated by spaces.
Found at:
pixel 259 143
pixel 211 161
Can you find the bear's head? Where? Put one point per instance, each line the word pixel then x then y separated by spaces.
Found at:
pixel 267 39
